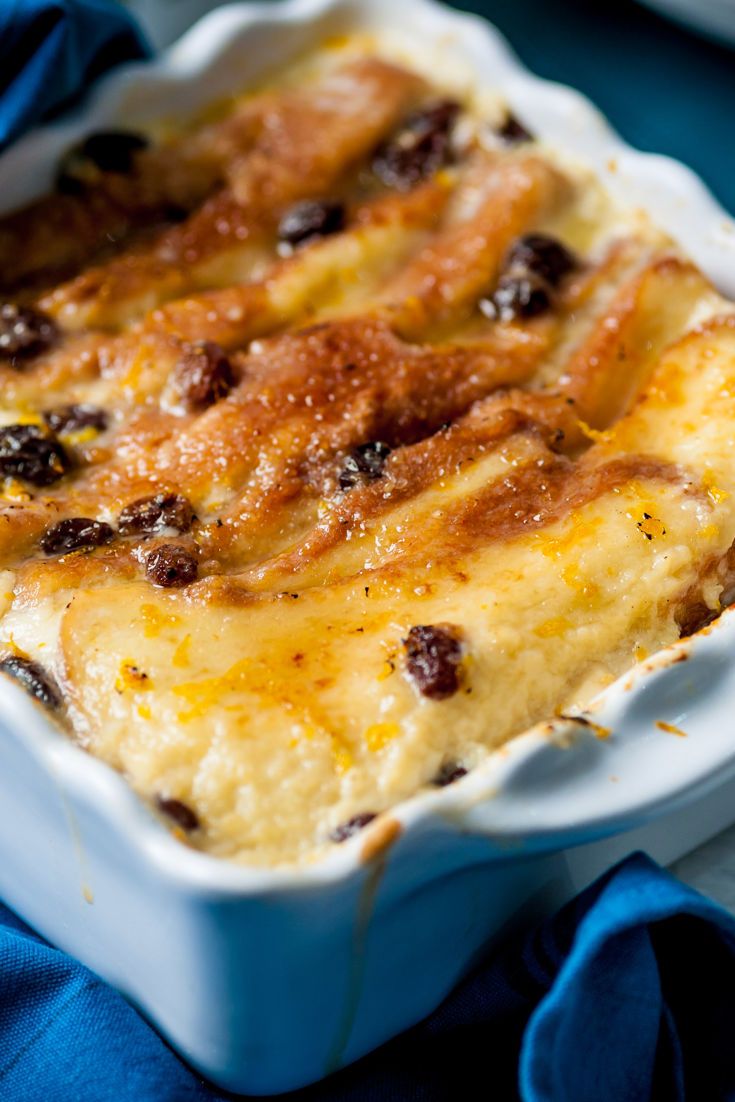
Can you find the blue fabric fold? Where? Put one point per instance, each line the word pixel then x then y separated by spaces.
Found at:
pixel 643 988
pixel 626 995
pixel 51 50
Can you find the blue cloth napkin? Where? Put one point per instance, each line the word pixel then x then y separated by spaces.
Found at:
pixel 626 995
pixel 52 49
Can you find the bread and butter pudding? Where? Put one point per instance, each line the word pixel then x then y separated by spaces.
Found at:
pixel 346 433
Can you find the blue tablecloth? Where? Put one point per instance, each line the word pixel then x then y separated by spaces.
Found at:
pixel 662 87
pixel 629 993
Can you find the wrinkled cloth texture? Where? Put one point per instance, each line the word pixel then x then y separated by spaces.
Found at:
pixel 626 995
pixel 50 50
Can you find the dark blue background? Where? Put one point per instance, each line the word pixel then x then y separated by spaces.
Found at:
pixel 662 87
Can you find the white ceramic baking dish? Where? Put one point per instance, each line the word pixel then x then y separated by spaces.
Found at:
pixel 267 980
pixel 715 18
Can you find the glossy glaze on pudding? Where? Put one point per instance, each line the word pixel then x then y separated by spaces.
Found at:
pixel 346 433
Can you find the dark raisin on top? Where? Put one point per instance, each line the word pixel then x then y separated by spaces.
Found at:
pixel 33 678
pixel 113 150
pixel 433 656
pixel 533 268
pixel 543 255
pixel 75 534
pixel 419 148
pixel 105 151
pixel 346 830
pixel 70 176
pixel 311 218
pixel 153 514
pixel 73 418
pixel 171 566
pixel 512 131
pixel 363 464
pixel 172 212
pixel 203 375
pixel 183 815
pixel 24 333
pixel 518 296
pixel 31 453
pixel 448 773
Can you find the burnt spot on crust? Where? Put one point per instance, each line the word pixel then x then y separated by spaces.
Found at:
pixel 179 812
pixel 448 773
pixel 171 566
pixel 75 534
pixel 203 375
pixel 419 149
pixel 156 513
pixel 31 453
pixel 24 333
pixel 104 151
pixel 309 219
pixel 74 418
pixel 364 464
pixel 512 132
pixel 352 826
pixel 33 678
pixel 533 269
pixel 433 657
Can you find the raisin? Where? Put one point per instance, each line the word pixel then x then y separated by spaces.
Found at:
pixel 352 826
pixel 364 464
pixel 311 218
pixel 24 333
pixel 694 617
pixel 105 151
pixel 203 375
pixel 174 213
pixel 70 176
pixel 449 772
pixel 171 566
pixel 542 255
pixel 513 132
pixel 533 267
pixel 183 815
pixel 30 453
pixel 420 147
pixel 33 678
pixel 153 514
pixel 75 534
pixel 518 296
pixel 73 418
pixel 433 655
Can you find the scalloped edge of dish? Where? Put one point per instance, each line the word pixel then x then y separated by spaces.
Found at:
pixel 715 19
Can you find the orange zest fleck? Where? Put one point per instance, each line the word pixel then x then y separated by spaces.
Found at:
pixel 670 729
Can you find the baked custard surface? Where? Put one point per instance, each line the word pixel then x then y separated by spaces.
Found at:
pixel 346 433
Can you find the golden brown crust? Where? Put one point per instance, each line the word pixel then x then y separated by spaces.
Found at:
pixel 394 426
pixel 304 144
